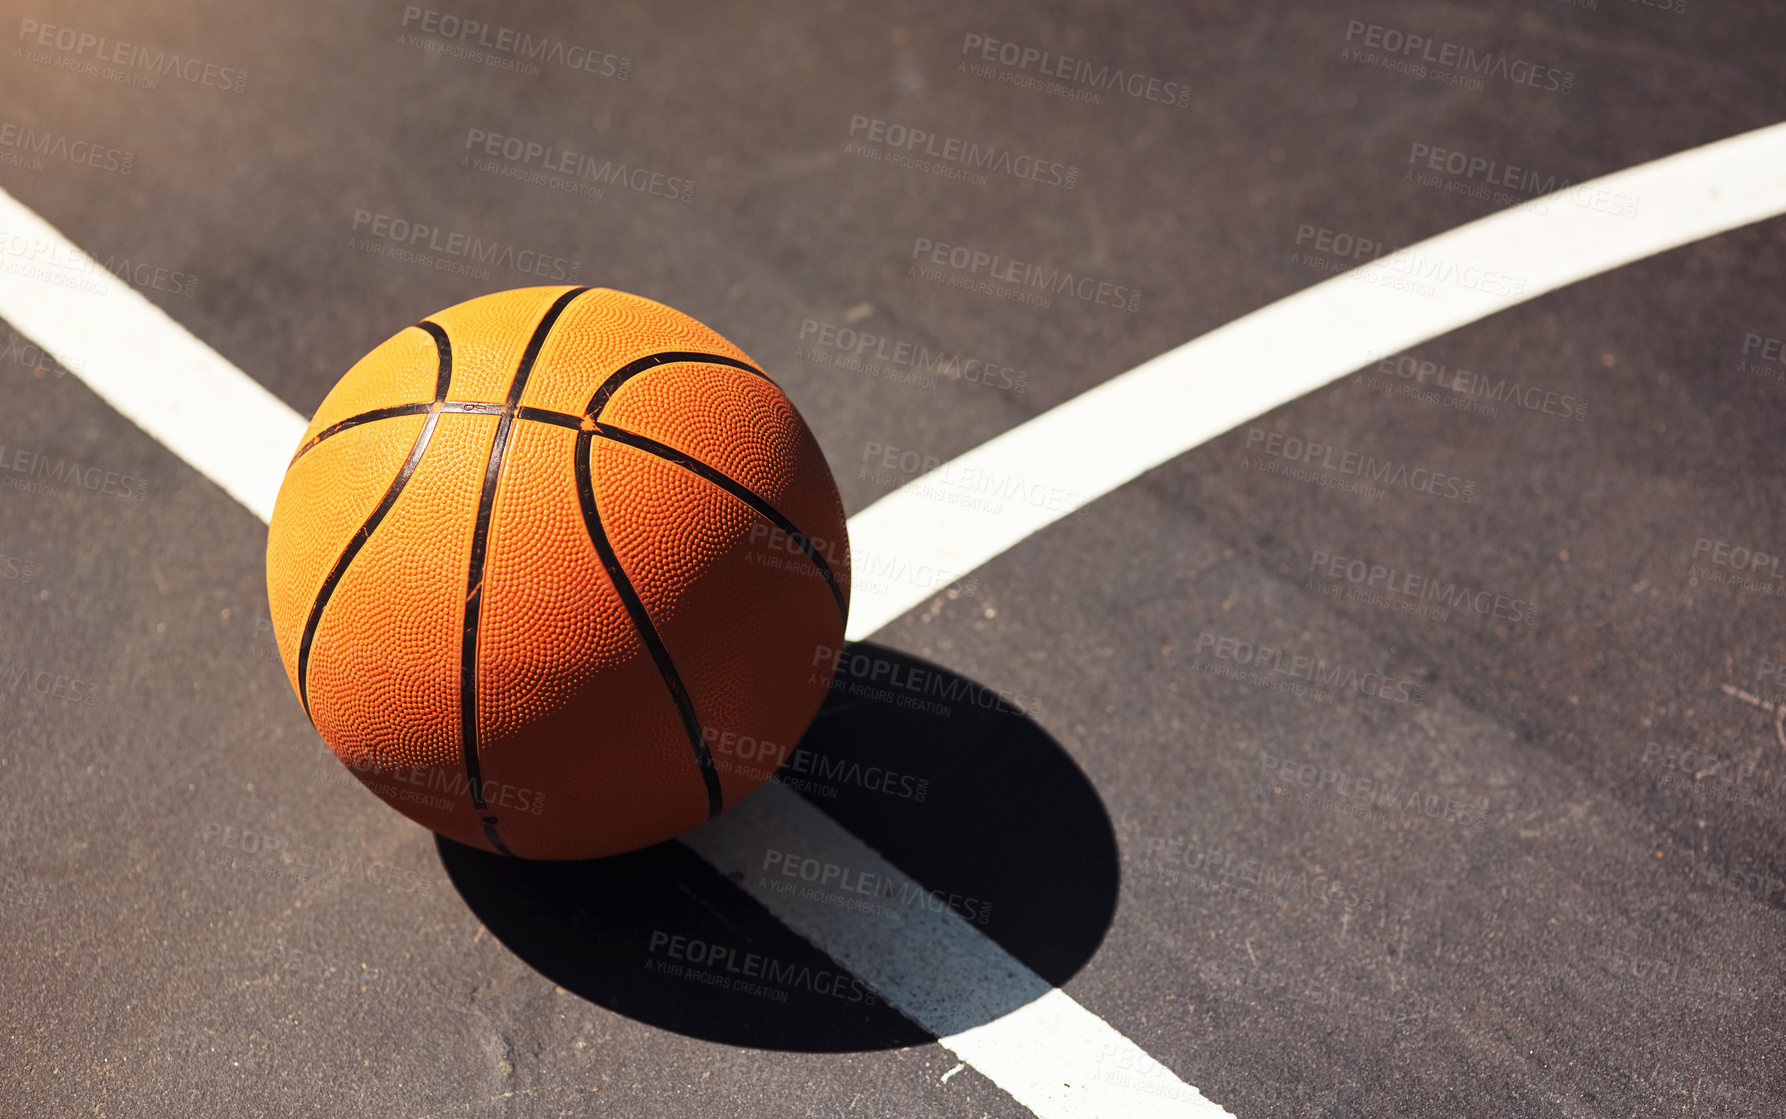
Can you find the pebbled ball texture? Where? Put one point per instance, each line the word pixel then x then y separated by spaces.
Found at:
pixel 546 595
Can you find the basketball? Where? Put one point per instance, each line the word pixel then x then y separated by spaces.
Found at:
pixel 542 561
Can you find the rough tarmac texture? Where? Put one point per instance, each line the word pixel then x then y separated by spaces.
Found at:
pixel 1560 893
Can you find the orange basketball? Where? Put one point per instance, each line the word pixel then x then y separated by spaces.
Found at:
pixel 540 555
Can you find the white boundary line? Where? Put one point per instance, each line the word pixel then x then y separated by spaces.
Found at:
pixel 1036 473
pixel 935 968
pixel 1051 1054
pixel 142 362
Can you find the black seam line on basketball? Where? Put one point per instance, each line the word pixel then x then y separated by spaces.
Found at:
pixel 416 408
pixel 642 622
pixel 563 419
pixel 443 346
pixel 493 836
pixel 480 540
pixel 736 489
pixel 340 426
pixel 547 416
pixel 361 537
pixel 651 361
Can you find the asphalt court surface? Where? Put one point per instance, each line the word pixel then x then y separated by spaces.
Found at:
pixel 1520 856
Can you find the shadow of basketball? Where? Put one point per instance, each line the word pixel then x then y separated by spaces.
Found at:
pixel 956 787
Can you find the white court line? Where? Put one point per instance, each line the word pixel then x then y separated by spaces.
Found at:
pixel 142 362
pixel 1111 434
pixel 937 969
pixel 1054 1056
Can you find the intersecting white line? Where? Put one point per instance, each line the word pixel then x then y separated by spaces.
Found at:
pixel 1055 1057
pixel 970 509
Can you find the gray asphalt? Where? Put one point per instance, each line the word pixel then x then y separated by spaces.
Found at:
pixel 1516 856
